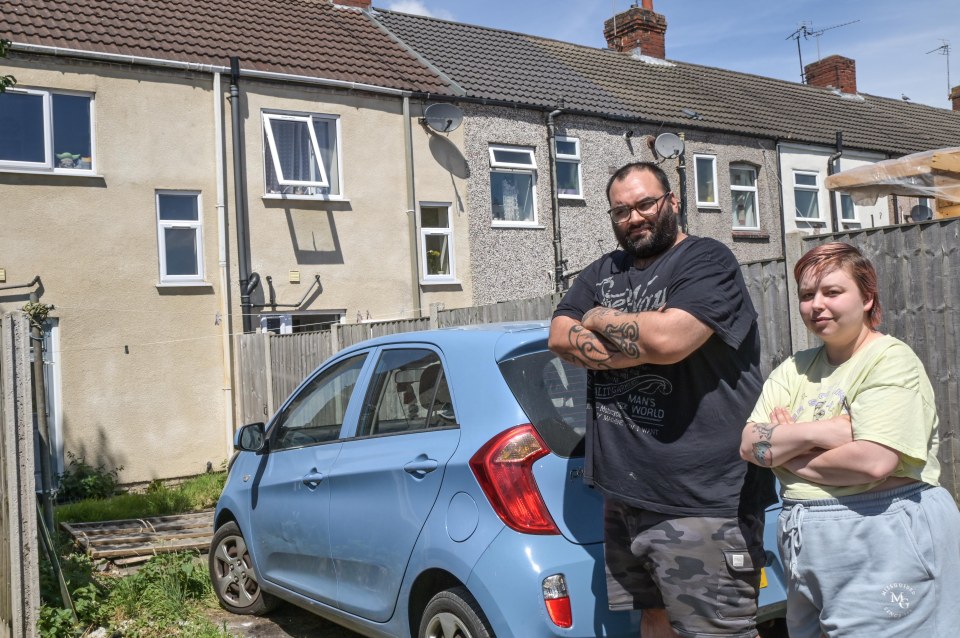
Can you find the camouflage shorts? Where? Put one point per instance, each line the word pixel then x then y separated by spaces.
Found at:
pixel 704 571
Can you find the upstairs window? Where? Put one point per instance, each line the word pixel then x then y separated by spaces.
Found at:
pixel 706 170
pixel 513 186
pixel 301 155
pixel 45 130
pixel 569 182
pixel 179 227
pixel 806 195
pixel 743 192
pixel 436 243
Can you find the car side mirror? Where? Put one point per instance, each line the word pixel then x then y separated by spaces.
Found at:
pixel 251 438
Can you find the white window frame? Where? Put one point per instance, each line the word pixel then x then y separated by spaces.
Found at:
pixel 520 169
pixel 270 154
pixel 49 163
pixel 855 221
pixel 567 158
pixel 196 226
pixel 703 203
pixel 810 189
pixel 425 277
pixel 747 189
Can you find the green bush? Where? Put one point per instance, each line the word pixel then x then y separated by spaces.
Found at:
pixel 81 480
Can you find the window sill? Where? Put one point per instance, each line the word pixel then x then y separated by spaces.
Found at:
pixel 166 285
pixel 809 220
pixel 750 234
pixel 517 225
pixel 308 198
pixel 60 172
pixel 440 282
pixel 709 206
pixel 575 198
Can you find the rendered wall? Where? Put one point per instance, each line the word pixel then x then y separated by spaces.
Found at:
pixel 141 365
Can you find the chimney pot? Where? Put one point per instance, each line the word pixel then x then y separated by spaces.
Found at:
pixel 955 97
pixel 648 5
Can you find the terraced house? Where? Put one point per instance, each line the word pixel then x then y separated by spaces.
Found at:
pixel 173 173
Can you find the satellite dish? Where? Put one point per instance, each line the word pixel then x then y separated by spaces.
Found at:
pixel 668 145
pixel 442 117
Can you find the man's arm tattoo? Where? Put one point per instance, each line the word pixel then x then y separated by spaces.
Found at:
pixel 622 335
pixel 763 449
pixel 588 351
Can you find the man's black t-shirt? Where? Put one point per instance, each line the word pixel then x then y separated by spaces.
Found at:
pixel 666 437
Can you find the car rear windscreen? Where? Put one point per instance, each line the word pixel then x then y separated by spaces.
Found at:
pixel 553 393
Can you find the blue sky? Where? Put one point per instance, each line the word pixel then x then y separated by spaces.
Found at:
pixel 889 42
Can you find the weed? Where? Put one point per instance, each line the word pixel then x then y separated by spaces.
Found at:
pixel 81 480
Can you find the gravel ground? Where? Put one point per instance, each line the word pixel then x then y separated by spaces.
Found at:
pixel 287 621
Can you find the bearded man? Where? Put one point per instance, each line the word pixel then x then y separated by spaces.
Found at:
pixel 669 334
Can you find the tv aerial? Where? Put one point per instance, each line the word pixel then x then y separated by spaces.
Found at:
pixel 442 117
pixel 806 32
pixel 944 50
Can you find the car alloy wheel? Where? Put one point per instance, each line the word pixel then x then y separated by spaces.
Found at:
pixel 454 614
pixel 231 572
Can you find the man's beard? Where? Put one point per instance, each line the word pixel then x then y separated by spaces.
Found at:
pixel 662 237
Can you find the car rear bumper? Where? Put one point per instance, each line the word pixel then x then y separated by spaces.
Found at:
pixel 518 563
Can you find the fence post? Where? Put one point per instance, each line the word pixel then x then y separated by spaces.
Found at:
pixel 435 309
pixel 19 556
pixel 800 339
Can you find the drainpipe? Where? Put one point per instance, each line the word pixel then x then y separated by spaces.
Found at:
pixel 682 172
pixel 239 184
pixel 412 205
pixel 225 320
pixel 834 221
pixel 555 202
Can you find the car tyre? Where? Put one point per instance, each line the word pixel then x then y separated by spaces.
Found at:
pixel 231 572
pixel 454 614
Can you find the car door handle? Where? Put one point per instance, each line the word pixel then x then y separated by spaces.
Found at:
pixel 421 467
pixel 312 479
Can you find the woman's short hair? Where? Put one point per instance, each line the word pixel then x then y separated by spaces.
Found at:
pixel 831 256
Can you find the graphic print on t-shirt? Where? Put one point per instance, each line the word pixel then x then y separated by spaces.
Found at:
pixel 624 397
pixel 635 397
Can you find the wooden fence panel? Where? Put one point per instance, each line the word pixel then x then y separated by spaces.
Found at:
pixel 767 284
pixel 292 358
pixel 536 309
pixel 19 551
pixel 254 403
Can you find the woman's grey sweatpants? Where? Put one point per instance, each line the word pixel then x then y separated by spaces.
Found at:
pixel 875 565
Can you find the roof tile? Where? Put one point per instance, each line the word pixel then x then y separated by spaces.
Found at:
pixel 303 37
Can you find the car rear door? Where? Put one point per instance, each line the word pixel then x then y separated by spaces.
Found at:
pixel 386 478
pixel 291 491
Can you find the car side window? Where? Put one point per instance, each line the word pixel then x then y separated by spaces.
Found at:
pixel 316 414
pixel 408 393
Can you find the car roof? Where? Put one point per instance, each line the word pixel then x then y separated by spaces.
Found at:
pixel 506 339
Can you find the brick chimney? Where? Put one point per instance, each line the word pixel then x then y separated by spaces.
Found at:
pixel 637 28
pixel 362 4
pixel 955 97
pixel 833 72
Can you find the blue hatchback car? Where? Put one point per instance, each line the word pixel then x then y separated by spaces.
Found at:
pixel 428 484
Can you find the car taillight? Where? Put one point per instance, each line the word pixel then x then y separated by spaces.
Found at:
pixel 557 600
pixel 504 469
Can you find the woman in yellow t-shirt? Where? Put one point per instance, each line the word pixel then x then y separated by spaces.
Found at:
pixel 870 542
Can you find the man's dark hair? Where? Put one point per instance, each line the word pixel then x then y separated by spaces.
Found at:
pixel 623 171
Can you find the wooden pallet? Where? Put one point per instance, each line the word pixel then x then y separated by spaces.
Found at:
pixel 138 539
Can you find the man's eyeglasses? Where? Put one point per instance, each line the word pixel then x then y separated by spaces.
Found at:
pixel 647 208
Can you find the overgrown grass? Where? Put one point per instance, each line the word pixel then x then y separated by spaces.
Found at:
pixel 166 597
pixel 194 494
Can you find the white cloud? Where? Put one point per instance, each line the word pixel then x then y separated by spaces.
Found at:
pixel 417 7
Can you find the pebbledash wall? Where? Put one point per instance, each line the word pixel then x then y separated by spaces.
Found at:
pixel 517 263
